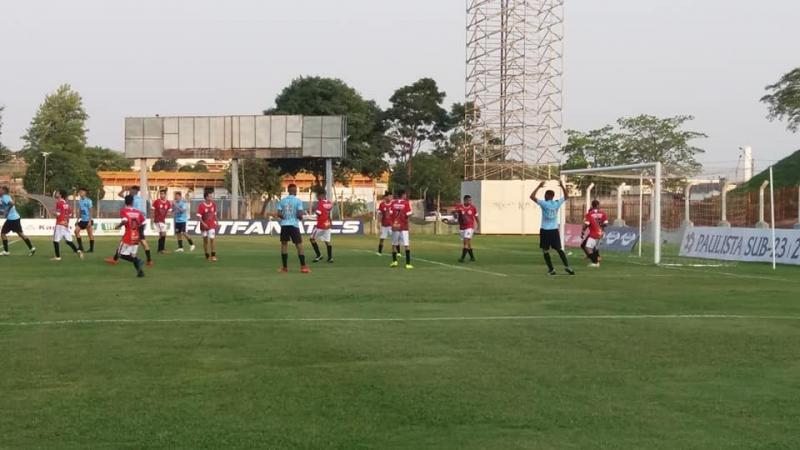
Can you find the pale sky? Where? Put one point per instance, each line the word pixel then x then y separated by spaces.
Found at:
pixel 708 58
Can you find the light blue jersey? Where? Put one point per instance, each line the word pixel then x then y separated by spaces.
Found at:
pixel 85 209
pixel 9 208
pixel 138 203
pixel 289 206
pixel 550 213
pixel 180 209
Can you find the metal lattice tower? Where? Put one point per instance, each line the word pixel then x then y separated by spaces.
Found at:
pixel 513 88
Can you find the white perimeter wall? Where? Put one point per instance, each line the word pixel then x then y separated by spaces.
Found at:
pixel 505 207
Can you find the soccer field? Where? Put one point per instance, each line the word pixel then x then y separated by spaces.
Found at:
pixel 357 355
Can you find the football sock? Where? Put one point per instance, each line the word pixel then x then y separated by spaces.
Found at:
pixel 302 259
pixel 563 257
pixel 394 255
pixel 330 251
pixel 285 259
pixel 116 255
pixel 189 240
pixel 149 257
pixel 5 245
pixel 463 253
pixel 408 256
pixel 180 243
pixel 91 245
pixel 471 255
pixel 380 247
pixel 80 243
pixel 28 243
pixel 207 255
pixel 57 248
pixel 595 256
pixel 548 261
pixel 316 249
pixel 162 241
pixel 134 261
pixel 72 246
pixel 214 254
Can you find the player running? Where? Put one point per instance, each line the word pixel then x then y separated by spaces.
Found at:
pixel 401 211
pixel 468 221
pixel 138 203
pixel 132 220
pixel 180 208
pixel 84 220
pixel 549 236
pixel 595 222
pixel 207 213
pixel 61 230
pixel 385 211
pixel 161 207
pixel 322 231
pixel 13 223
pixel 290 210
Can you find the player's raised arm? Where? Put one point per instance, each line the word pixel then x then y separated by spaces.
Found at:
pixel 536 191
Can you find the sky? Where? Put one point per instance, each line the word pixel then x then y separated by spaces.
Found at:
pixel 707 58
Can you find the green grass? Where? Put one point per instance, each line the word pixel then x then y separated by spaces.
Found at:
pixel 532 382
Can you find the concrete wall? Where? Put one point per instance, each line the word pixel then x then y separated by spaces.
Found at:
pixel 504 207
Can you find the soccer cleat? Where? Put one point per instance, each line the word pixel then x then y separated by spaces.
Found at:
pixel 191 248
pixel 394 264
pixel 594 265
pixel 330 261
pixel 180 250
pixel 32 251
pixel 552 273
pixel 140 274
pixel 55 258
pixel 283 270
pixel 379 253
pixel 80 254
pixel 150 263
pixel 4 253
pixel 111 261
pixel 213 259
pixel 317 259
pixel 409 266
pixel 305 269
pixel 569 270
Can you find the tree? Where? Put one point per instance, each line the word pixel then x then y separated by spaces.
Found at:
pixel 5 154
pixel 435 175
pixel 65 170
pixel 165 165
pixel 367 144
pixel 101 158
pixel 199 167
pixel 258 178
pixel 415 118
pixel 784 100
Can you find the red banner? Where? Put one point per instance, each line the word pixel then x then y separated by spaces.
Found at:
pixel 572 236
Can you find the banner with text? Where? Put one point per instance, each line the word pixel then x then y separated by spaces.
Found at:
pixel 741 244
pixel 615 239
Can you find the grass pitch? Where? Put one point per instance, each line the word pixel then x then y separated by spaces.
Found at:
pixel 357 355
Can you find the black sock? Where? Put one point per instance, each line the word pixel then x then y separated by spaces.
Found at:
pixel 471 255
pixel 463 253
pixel 408 256
pixel 285 259
pixel 595 256
pixel 162 241
pixel 5 245
pixel 180 243
pixel 28 243
pixel 563 257
pixel 330 251
pixel 394 255
pixel 302 259
pixel 149 257
pixel 316 249
pixel 135 261
pixel 548 261
pixel 380 247
pixel 72 246
pixel 116 255
pixel 207 255
pixel 57 248
pixel 214 254
pixel 91 245
pixel 80 243
pixel 189 240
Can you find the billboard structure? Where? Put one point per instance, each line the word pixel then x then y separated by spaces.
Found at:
pixel 236 137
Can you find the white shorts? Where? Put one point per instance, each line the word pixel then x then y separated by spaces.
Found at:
pixel 62 232
pixel 128 250
pixel 467 234
pixel 386 232
pixel 321 235
pixel 211 234
pixel 592 242
pixel 160 227
pixel 400 238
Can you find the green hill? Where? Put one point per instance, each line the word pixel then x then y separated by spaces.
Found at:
pixel 786 172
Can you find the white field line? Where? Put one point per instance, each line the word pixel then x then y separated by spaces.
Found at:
pixel 713 272
pixel 556 317
pixel 452 266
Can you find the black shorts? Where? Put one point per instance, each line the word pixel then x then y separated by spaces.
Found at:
pixel 180 227
pixel 549 239
pixel 84 224
pixel 141 232
pixel 290 233
pixel 12 226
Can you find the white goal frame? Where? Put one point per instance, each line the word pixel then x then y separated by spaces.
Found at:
pixel 643 169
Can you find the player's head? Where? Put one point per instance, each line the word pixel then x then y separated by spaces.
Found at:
pixel 178 195
pixel 401 194
pixel 387 196
pixel 292 189
pixel 162 194
pixel 208 195
pixel 595 204
pixel 321 194
pixel 60 193
pixel 4 190
pixel 129 200
pixel 82 192
pixel 134 190
pixel 467 199
pixel 548 195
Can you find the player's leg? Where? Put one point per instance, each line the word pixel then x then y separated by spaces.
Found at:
pixel 145 245
pixel 115 259
pixel 128 253
pixel 407 244
pixel 78 236
pixel 67 236
pixel 380 244
pixel 212 243
pixel 26 240
pixel 188 239
pixel 162 238
pixel 317 253
pixel 90 232
pixel 464 248
pixel 585 248
pixel 205 245
pixel 179 232
pixel 297 239
pixel 56 246
pixel 326 238
pixel 4 237
pixel 544 244
pixel 395 247
pixel 556 244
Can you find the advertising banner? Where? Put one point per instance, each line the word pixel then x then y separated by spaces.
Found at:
pixel 615 239
pixel 741 244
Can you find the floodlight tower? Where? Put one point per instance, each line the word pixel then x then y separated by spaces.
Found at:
pixel 513 88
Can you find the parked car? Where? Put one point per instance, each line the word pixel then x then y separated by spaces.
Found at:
pixel 444 217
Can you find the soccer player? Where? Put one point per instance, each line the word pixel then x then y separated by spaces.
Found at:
pixel 549 236
pixel 290 211
pixel 132 220
pixel 61 230
pixel 385 211
pixel 161 207
pixel 138 203
pixel 401 211
pixel 13 222
pixel 180 208
pixel 322 232
pixel 595 222
pixel 207 213
pixel 84 220
pixel 467 221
